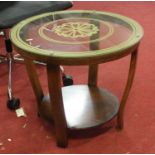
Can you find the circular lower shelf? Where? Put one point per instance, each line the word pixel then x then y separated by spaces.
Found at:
pixel 84 106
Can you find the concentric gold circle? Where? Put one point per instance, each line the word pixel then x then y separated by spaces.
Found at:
pixel 96 30
pixel 116 49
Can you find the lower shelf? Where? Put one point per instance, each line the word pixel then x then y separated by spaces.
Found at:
pixel 84 106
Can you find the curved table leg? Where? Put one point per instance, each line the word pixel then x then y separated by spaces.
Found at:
pixel 54 85
pixel 31 70
pixel 127 89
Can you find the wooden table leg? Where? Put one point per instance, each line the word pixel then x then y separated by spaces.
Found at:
pixel 31 70
pixel 127 89
pixel 93 69
pixel 92 75
pixel 54 84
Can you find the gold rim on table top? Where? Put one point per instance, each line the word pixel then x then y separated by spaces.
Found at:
pixel 137 33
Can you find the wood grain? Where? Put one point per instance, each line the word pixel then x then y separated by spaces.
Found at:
pixel 32 74
pixel 127 88
pixel 85 106
pixel 57 108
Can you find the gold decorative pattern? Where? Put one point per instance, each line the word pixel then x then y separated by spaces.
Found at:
pixel 137 34
pixel 75 29
pixel 44 28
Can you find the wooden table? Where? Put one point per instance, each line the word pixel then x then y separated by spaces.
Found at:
pixel 77 38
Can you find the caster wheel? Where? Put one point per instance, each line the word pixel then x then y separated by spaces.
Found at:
pixel 13 104
pixel 67 80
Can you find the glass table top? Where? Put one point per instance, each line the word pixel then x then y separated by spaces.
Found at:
pixel 76 32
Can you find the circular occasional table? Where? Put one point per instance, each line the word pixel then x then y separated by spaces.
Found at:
pixel 77 38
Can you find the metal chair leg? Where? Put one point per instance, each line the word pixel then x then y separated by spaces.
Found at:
pixel 12 103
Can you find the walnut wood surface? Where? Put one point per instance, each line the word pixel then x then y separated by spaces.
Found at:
pixel 57 108
pixel 92 75
pixel 84 106
pixel 127 88
pixel 31 70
